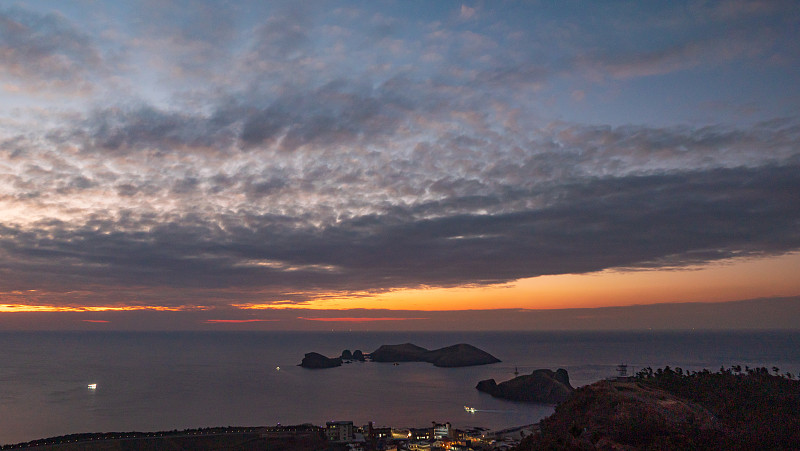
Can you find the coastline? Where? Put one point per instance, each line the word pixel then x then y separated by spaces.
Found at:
pixel 296 437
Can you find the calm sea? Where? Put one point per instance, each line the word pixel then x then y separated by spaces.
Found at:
pixel 177 380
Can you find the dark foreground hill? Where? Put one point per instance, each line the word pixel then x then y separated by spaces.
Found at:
pixel 670 409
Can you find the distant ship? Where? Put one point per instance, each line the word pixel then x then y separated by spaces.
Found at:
pixel 470 409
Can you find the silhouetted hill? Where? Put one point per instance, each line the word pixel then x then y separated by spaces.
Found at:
pixel 669 409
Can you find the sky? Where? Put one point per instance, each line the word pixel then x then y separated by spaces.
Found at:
pixel 256 164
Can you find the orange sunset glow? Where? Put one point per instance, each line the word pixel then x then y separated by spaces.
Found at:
pixel 11 308
pixel 722 281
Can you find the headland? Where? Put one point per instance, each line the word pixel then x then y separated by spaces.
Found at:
pixel 734 408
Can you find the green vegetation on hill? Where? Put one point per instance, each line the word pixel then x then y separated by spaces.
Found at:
pixel 672 409
pixel 754 406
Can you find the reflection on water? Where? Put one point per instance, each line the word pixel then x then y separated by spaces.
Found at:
pixel 161 381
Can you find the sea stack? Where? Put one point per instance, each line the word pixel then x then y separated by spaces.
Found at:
pixel 544 386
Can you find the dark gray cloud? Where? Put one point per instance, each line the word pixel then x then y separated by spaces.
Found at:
pixel 46 48
pixel 148 128
pixel 337 113
pixel 676 37
pixel 195 37
pixel 636 221
pixel 285 34
pixel 191 21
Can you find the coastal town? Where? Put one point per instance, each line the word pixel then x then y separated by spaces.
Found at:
pixel 438 436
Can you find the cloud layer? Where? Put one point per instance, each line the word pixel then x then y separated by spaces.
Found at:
pixel 274 154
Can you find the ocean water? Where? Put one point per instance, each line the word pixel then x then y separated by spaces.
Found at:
pixel 177 380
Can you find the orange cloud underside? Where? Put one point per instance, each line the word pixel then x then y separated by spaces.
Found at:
pixel 239 320
pixel 94 321
pixel 357 320
pixel 12 308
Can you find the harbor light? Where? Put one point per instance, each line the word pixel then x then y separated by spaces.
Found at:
pixel 92 386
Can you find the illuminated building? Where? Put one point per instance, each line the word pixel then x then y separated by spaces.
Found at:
pixel 339 431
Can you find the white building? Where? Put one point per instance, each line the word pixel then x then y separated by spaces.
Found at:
pixel 441 431
pixel 339 431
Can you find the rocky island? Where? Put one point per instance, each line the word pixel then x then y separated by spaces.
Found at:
pixel 315 360
pixel 543 386
pixel 450 356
